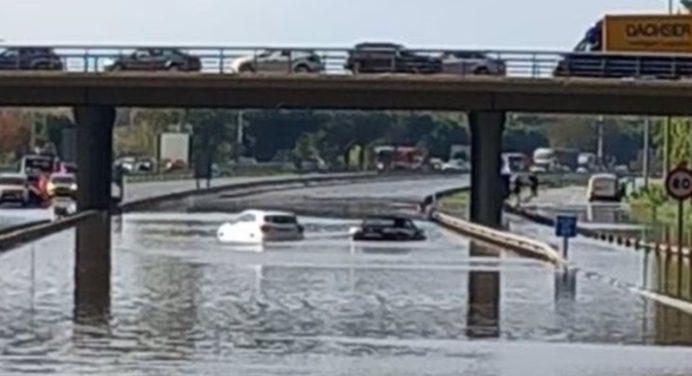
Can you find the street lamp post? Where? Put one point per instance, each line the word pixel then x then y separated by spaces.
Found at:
pixel 600 146
pixel 645 161
pixel 666 125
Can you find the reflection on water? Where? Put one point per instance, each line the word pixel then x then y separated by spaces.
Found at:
pixel 483 311
pixel 181 303
pixel 670 275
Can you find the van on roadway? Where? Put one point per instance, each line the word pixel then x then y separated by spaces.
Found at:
pixel 604 187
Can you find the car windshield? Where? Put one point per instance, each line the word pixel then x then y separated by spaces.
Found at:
pixel 379 222
pixel 63 179
pixel 281 219
pixel 11 180
pixel 38 165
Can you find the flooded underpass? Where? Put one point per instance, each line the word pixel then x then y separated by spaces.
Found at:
pixel 182 304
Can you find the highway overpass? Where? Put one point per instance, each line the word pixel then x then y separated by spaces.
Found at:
pixel 364 92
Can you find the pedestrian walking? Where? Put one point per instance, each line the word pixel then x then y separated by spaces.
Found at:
pixel 533 183
pixel 518 185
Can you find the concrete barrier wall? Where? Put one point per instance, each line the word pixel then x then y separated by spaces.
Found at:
pixel 31 232
pixel 517 243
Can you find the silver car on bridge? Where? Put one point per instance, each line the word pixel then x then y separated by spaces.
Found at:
pixel 472 63
pixel 279 61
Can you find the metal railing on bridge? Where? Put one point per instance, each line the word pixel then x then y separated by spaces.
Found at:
pixel 361 59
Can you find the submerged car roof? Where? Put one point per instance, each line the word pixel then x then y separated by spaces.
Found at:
pixel 388 217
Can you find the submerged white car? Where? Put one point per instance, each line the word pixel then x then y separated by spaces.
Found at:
pixel 257 226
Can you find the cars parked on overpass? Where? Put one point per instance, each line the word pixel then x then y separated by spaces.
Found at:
pixel 279 61
pixel 472 63
pixel 30 58
pixel 390 58
pixel 156 59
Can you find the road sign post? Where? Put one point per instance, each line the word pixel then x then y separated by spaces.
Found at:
pixel 679 187
pixel 566 228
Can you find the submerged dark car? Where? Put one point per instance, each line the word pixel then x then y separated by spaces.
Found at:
pixel 387 229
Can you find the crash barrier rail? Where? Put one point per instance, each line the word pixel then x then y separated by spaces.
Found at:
pixel 517 243
pixel 330 60
pixel 35 231
pixel 620 240
pixel 22 226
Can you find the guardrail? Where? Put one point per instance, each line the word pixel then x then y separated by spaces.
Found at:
pixel 329 60
pixel 37 230
pixel 517 243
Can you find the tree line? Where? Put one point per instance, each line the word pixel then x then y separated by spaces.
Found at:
pixel 342 138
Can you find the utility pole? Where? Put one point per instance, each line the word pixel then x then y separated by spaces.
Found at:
pixel 666 126
pixel 599 151
pixel 239 135
pixel 645 161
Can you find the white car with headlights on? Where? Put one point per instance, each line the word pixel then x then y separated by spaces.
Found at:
pixel 257 226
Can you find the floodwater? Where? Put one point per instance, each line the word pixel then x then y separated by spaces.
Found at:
pixel 183 304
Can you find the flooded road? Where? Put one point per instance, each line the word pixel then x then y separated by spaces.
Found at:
pixel 183 304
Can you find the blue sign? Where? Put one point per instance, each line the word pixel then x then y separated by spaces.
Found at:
pixel 566 226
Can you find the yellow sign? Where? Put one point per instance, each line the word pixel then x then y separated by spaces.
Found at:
pixel 648 33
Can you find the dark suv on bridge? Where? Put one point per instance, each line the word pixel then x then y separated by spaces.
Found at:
pixel 390 58
pixel 156 59
pixel 30 58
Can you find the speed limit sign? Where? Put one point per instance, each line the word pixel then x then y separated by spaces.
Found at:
pixel 679 184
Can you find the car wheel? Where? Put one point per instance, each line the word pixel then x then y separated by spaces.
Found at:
pixel 246 68
pixel 301 69
pixel 482 71
pixel 356 68
pixel 116 68
pixel 174 68
pixel 42 66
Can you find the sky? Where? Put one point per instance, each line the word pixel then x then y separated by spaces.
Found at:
pixel 529 24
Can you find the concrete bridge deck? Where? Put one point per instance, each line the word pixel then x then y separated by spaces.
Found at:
pixel 410 92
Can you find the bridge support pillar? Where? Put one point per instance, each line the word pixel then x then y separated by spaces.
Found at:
pixel 93 241
pixel 487 185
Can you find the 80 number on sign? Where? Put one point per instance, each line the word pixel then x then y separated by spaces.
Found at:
pixel 679 184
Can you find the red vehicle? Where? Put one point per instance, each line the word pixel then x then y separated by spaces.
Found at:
pixel 407 158
pixel 38 168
